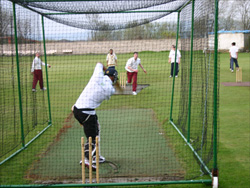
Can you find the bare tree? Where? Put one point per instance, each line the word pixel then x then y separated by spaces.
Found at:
pixel 5 22
pixel 24 29
pixel 234 14
pixel 226 16
pixel 6 25
pixel 243 9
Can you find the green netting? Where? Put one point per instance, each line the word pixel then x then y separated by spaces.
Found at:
pixel 34 107
pixel 102 15
pixel 138 140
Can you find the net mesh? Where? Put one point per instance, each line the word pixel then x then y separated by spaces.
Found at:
pixel 106 15
pixel 34 108
pixel 137 140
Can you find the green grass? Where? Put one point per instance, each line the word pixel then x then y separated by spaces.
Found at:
pixel 233 156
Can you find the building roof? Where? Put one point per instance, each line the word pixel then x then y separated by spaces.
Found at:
pixel 235 31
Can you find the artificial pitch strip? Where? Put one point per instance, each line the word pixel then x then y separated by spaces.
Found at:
pixel 135 148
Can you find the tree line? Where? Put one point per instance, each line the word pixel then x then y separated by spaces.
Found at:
pixel 147 31
pixel 234 15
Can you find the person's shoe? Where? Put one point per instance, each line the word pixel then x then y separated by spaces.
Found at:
pixel 170 76
pixel 86 161
pixel 232 70
pixel 101 159
pixel 33 90
pixel 176 76
pixel 134 93
pixel 43 89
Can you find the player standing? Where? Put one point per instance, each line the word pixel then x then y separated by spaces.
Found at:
pixel 132 70
pixel 111 59
pixel 99 88
pixel 36 70
pixel 233 51
pixel 174 61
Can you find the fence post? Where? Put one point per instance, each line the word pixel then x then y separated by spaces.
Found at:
pixel 215 168
pixel 190 77
pixel 46 68
pixel 176 46
pixel 18 76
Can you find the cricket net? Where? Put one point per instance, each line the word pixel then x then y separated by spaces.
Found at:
pixel 164 134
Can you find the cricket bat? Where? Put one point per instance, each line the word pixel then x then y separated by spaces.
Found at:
pixel 118 86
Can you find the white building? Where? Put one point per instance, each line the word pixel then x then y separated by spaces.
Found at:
pixel 225 39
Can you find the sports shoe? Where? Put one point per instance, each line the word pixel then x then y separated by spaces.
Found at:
pixel 43 89
pixel 232 70
pixel 176 76
pixel 86 161
pixel 101 159
pixel 86 152
pixel 170 76
pixel 33 90
pixel 134 93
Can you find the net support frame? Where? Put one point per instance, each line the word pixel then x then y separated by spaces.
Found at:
pixel 176 47
pixel 46 69
pixel 208 181
pixel 190 75
pixel 215 96
pixel 24 146
pixel 135 11
pixel 18 77
pixel 215 166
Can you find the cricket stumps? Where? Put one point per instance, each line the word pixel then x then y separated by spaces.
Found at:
pixel 90 160
pixel 123 80
pixel 239 74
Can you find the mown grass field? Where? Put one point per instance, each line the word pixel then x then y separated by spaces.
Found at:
pixel 233 156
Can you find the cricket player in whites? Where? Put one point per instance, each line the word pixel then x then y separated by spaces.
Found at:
pixel 99 88
pixel 111 59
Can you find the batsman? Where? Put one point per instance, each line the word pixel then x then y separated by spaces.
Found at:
pixel 100 87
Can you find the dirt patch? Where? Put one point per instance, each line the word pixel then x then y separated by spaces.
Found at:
pixel 242 84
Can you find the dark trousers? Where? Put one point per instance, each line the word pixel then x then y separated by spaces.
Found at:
pixel 38 75
pixel 89 123
pixel 90 127
pixel 232 61
pixel 176 69
pixel 132 75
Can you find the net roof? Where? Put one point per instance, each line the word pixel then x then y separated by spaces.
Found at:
pixel 103 14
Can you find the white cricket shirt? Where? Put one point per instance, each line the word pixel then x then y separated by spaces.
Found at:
pixel 233 51
pixel 37 64
pixel 98 89
pixel 172 55
pixel 132 63
pixel 111 59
